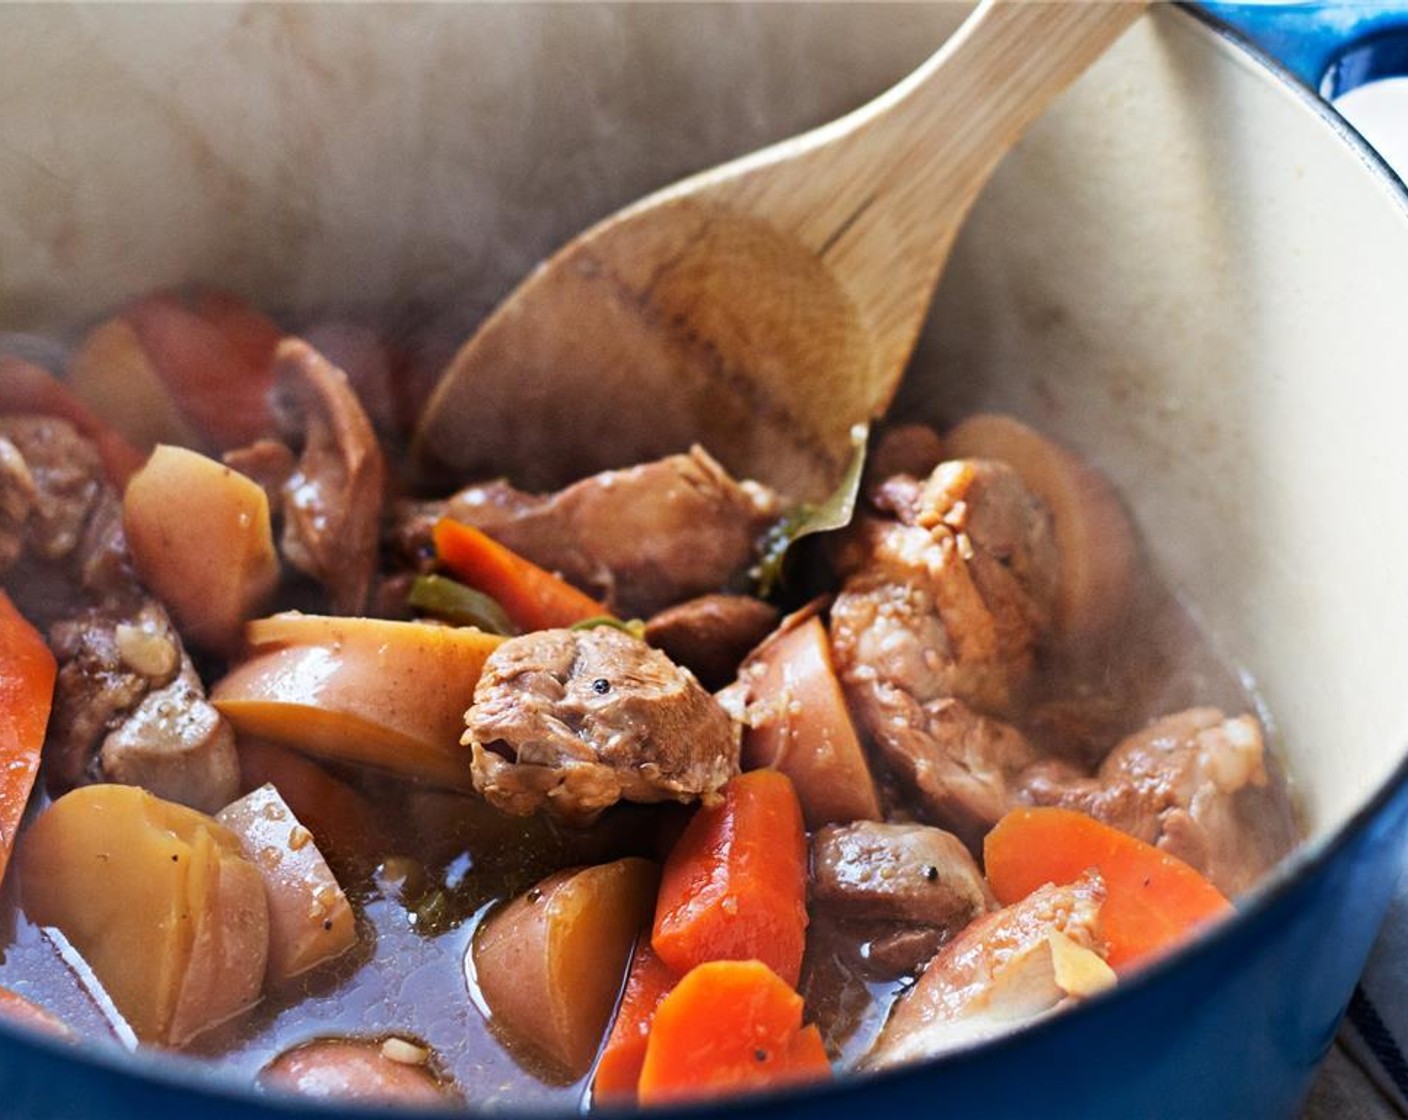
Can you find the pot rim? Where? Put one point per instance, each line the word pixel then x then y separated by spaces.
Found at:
pixel 199 1078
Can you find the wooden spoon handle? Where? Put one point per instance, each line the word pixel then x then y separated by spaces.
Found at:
pixel 880 194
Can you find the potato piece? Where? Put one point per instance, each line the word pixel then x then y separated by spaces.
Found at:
pixel 550 964
pixel 343 820
pixel 361 690
pixel 113 374
pixel 393 1071
pixel 158 899
pixel 1093 535
pixel 797 722
pixel 310 920
pixel 201 540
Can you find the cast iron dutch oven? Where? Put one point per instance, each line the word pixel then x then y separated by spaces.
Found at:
pixel 1191 270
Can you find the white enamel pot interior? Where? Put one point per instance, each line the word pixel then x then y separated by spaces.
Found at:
pixel 1186 270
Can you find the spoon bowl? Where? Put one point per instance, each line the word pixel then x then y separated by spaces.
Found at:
pixel 767 306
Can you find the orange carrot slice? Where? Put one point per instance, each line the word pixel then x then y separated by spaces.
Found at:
pixel 24 387
pixel 533 598
pixel 618 1068
pixel 1155 901
pixel 27 672
pixel 735 886
pixel 729 1026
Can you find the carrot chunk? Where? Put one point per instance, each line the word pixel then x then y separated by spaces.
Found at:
pixel 735 886
pixel 27 672
pixel 618 1069
pixel 729 1026
pixel 1155 901
pixel 24 387
pixel 533 597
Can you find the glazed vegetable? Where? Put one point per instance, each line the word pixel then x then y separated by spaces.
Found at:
pixel 342 820
pixel 251 334
pixel 618 1069
pixel 210 375
pixel 361 690
pixel 533 598
pixel 1154 901
pixel 734 887
pixel 550 963
pixel 310 920
pixel 797 723
pixel 1093 534
pixel 25 387
pixel 113 373
pixel 27 672
pixel 387 1071
pixel 727 1027
pixel 158 899
pixel 202 542
pixel 452 601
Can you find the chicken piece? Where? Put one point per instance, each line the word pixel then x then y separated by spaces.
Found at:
pixel 1007 968
pixel 577 720
pixel 902 889
pixel 905 873
pixel 176 745
pixel 909 451
pixel 639 539
pixel 67 477
pixel 332 501
pixel 129 708
pixel 1196 784
pixel 17 498
pixel 74 522
pixel 954 602
pixel 711 635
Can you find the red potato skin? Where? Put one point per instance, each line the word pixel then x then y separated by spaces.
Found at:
pixel 353 1070
pixel 798 724
pixel 551 963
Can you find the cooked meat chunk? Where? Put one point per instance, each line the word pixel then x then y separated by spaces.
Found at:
pixel 17 498
pixel 638 539
pixel 1008 967
pixel 108 661
pixel 332 501
pixel 954 602
pixel 1196 784
pixel 175 744
pixel 904 873
pixel 74 518
pixel 711 635
pixel 68 479
pixel 577 720
pixel 935 633
pixel 957 765
pixel 128 707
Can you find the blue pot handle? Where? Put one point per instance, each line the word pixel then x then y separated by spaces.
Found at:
pixel 1331 47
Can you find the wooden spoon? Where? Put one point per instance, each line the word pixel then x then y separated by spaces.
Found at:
pixel 765 307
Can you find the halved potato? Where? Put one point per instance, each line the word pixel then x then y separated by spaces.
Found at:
pixel 202 541
pixel 550 964
pixel 158 899
pixel 368 691
pixel 310 919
